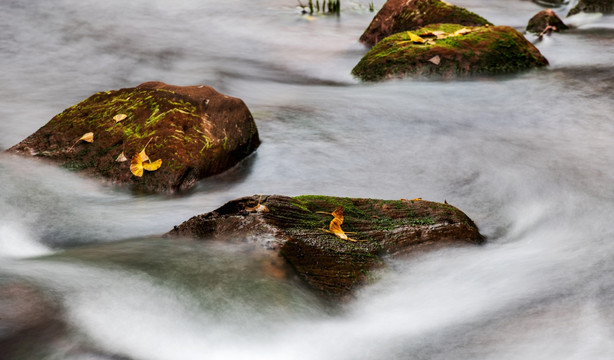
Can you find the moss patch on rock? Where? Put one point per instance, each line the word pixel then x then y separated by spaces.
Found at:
pixel 196 131
pixel 402 15
pixel 294 227
pixel 593 6
pixel 481 50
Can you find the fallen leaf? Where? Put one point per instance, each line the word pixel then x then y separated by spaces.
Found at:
pixel 87 137
pixel 138 163
pixel 415 38
pixel 258 208
pixel 152 166
pixel 462 31
pixel 119 117
pixel 121 158
pixel 435 60
pixel 144 156
pixel 335 225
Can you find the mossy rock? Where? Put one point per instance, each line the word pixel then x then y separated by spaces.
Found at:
pixel 479 50
pixel 293 227
pixel 402 15
pixel 545 20
pixel 194 130
pixel 593 6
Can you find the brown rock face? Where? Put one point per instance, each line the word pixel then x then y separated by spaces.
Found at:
pixel 295 229
pixel 194 130
pixel 545 21
pixel 593 6
pixel 402 15
pixel 456 51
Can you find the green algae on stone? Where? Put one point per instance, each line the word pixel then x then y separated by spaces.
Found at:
pixel 195 130
pixel 402 15
pixel 294 227
pixel 593 6
pixel 484 50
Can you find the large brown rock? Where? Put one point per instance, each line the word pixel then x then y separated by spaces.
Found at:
pixel 593 6
pixel 401 15
pixel 449 51
pixel 294 228
pixel 194 130
pixel 545 21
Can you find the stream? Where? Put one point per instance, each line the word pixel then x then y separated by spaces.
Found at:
pixel 85 273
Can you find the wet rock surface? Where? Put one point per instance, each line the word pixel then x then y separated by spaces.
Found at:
pixel 448 51
pixel 402 15
pixel 195 131
pixel 593 6
pixel 546 21
pixel 295 228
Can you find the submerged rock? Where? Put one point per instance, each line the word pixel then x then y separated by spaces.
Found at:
pixel 194 130
pixel 593 6
pixel 545 21
pixel 449 50
pixel 402 15
pixel 295 227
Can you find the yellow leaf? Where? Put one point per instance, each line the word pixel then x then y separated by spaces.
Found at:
pixel 335 225
pixel 119 117
pixel 338 213
pixel 88 137
pixel 152 166
pixel 462 31
pixel 143 155
pixel 136 165
pixel 415 38
pixel 121 158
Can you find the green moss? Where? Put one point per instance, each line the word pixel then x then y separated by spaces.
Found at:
pixel 485 50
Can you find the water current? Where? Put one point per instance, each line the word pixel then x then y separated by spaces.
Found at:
pixel 528 157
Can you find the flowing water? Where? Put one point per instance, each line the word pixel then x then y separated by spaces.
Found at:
pixel 528 157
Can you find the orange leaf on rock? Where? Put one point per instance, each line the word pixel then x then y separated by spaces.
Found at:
pixel 335 225
pixel 152 166
pixel 136 165
pixel 87 137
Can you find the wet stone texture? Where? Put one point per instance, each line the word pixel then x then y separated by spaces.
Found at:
pixel 545 21
pixel 295 228
pixel 194 130
pixel 449 51
pixel 402 15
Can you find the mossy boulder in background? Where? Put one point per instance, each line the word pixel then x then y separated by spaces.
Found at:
pixel 194 130
pixel 449 50
pixel 544 21
pixel 593 6
pixel 402 15
pixel 293 227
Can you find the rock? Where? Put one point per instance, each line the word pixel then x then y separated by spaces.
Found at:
pixel 402 15
pixel 449 50
pixel 593 6
pixel 194 130
pixel 545 21
pixel 294 228
pixel 551 3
